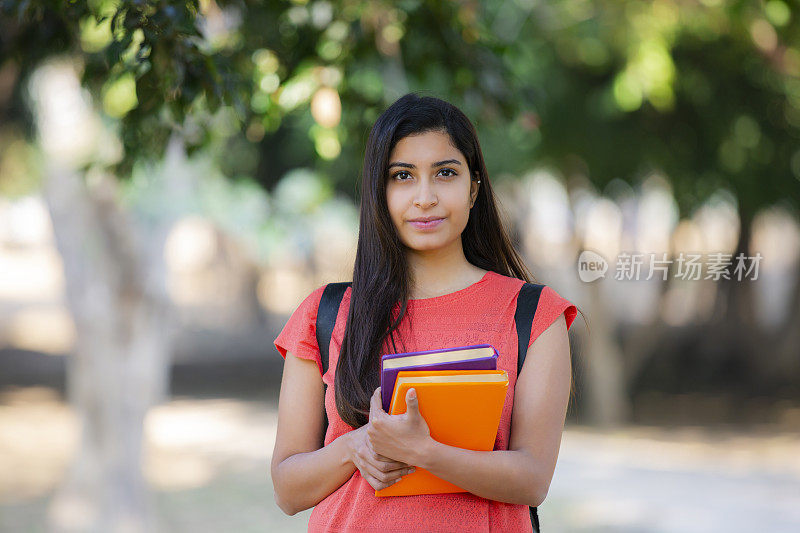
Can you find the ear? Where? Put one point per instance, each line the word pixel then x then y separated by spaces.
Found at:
pixel 473 188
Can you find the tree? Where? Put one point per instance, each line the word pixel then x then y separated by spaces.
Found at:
pixel 706 93
pixel 169 70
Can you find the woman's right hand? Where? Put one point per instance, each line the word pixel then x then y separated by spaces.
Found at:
pixel 379 471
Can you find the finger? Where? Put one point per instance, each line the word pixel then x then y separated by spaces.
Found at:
pixel 373 468
pixel 373 475
pixel 390 460
pixel 371 471
pixel 388 477
pixel 380 485
pixel 388 465
pixel 382 464
pixel 375 405
pixel 374 483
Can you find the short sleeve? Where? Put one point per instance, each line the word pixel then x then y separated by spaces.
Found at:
pixel 551 306
pixel 299 335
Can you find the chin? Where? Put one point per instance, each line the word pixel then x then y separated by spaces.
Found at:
pixel 426 244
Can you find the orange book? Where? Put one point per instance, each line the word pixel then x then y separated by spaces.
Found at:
pixel 462 409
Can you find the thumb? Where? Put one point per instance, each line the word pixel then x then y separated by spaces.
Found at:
pixel 412 402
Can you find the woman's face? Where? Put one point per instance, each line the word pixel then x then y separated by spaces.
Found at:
pixel 429 177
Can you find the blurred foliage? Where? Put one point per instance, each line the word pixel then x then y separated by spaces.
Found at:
pixel 706 92
pixel 18 164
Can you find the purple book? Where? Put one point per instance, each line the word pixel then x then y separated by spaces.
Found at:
pixel 475 357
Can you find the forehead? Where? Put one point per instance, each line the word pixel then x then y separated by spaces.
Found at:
pixel 428 146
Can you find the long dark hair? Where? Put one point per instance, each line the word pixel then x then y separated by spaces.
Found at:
pixel 381 276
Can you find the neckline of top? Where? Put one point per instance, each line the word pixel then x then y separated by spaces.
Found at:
pixel 443 298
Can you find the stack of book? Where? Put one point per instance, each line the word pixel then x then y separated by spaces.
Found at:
pixel 460 394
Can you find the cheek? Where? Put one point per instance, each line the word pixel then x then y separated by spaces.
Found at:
pixel 395 203
pixel 392 208
pixel 460 215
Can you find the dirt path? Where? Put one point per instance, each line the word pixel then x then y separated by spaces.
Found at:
pixel 208 464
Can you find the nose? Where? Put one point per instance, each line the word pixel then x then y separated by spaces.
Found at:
pixel 425 194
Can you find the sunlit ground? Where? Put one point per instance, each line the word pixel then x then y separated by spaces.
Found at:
pixel 208 463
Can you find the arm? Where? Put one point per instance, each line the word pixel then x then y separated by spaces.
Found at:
pixel 303 474
pixel 521 474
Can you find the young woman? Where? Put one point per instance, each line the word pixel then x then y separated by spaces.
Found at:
pixel 434 268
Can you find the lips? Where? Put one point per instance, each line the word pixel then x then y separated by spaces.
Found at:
pixel 426 219
pixel 431 222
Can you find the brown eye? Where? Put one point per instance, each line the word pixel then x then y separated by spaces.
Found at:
pixel 395 176
pixel 451 171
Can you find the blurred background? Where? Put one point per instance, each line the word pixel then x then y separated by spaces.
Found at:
pixel 175 177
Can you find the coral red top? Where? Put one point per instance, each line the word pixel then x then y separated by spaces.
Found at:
pixel 486 315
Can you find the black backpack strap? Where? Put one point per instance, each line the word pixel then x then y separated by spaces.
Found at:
pixel 326 319
pixel 527 302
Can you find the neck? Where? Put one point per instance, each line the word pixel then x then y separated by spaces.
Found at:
pixel 441 271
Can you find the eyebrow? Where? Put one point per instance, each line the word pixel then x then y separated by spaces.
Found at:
pixel 433 165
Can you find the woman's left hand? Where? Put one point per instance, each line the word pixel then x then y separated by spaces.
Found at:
pixel 399 437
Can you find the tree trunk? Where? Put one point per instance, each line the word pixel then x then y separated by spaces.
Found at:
pixel 732 337
pixel 115 292
pixel 786 340
pixel 608 404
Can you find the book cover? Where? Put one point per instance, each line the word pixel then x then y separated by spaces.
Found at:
pixel 461 408
pixel 474 357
